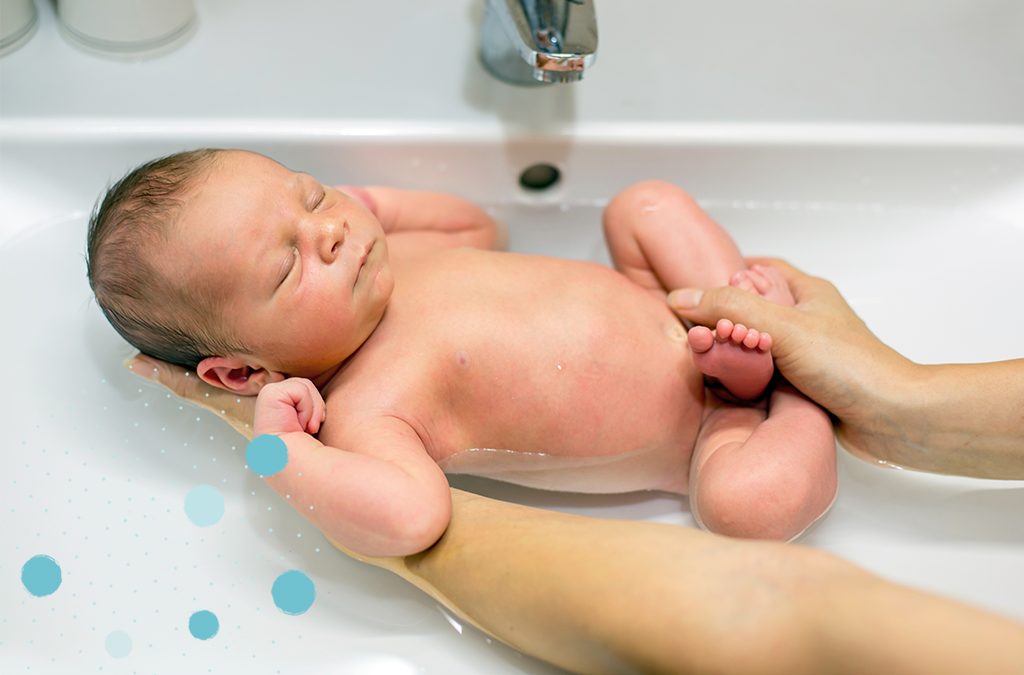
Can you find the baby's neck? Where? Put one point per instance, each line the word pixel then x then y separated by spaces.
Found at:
pixel 324 378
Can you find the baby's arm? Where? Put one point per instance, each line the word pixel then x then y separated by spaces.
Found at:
pixel 414 220
pixel 386 497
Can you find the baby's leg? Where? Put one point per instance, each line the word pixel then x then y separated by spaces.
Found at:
pixel 662 240
pixel 764 476
pixel 753 473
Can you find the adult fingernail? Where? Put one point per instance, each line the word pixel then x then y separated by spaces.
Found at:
pixel 142 367
pixel 685 298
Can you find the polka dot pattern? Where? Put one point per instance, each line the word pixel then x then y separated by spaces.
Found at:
pixel 124 512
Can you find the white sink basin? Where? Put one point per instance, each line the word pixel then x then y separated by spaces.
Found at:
pixel 920 231
pixel 880 145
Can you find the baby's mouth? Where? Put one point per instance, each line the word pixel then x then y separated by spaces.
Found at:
pixel 362 261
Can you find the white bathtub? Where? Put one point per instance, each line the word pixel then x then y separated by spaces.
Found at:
pixel 922 235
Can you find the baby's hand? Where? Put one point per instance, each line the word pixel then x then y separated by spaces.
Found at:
pixel 289 406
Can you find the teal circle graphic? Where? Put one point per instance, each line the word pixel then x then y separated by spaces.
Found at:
pixel 266 454
pixel 203 505
pixel 203 625
pixel 118 644
pixel 293 592
pixel 41 575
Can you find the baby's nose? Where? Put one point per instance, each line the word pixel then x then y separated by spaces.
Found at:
pixel 332 238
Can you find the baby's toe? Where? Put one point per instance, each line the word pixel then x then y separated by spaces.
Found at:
pixel 700 339
pixel 739 333
pixel 757 278
pixel 771 274
pixel 764 342
pixel 752 339
pixel 741 280
pixel 724 329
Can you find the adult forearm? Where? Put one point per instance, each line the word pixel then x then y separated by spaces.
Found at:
pixel 603 596
pixel 866 625
pixel 963 419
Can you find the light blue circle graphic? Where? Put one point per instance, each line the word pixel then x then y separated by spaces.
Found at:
pixel 203 505
pixel 118 644
pixel 203 624
pixel 41 575
pixel 266 454
pixel 293 592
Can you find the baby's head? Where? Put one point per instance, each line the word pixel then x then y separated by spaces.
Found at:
pixel 157 312
pixel 228 263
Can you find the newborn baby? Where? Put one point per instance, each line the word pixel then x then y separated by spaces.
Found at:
pixel 389 345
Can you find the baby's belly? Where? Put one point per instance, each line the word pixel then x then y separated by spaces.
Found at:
pixel 550 373
pixel 609 406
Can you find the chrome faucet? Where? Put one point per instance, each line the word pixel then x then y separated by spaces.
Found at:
pixel 534 41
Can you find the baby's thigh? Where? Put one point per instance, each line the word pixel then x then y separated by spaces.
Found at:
pixel 660 238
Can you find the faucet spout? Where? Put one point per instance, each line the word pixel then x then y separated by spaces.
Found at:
pixel 529 42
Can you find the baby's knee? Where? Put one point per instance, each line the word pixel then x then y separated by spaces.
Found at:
pixel 776 505
pixel 646 198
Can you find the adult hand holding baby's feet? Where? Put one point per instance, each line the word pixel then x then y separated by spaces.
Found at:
pixel 289 406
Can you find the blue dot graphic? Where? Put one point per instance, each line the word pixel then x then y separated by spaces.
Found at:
pixel 203 625
pixel 41 575
pixel 204 506
pixel 266 454
pixel 293 592
pixel 118 644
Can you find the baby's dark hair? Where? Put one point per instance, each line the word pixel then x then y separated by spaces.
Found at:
pixel 159 315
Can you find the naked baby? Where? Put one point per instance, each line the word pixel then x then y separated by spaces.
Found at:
pixel 389 344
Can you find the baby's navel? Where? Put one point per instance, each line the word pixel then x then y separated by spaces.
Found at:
pixel 462 359
pixel 676 332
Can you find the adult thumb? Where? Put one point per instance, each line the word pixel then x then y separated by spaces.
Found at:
pixel 728 302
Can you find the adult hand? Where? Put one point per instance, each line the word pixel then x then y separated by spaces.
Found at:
pixel 821 346
pixel 238 411
pixel 959 419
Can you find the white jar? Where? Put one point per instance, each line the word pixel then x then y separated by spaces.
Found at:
pixel 18 22
pixel 127 28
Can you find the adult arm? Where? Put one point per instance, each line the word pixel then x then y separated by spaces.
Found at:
pixel 964 419
pixel 610 596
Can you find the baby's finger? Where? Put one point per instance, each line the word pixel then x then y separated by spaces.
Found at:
pixel 318 411
pixel 307 402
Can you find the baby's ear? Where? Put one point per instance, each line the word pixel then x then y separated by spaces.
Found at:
pixel 235 375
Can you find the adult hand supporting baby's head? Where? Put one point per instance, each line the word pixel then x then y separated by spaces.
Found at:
pixel 238 411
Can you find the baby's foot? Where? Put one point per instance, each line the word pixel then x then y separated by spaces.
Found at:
pixel 739 358
pixel 767 282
